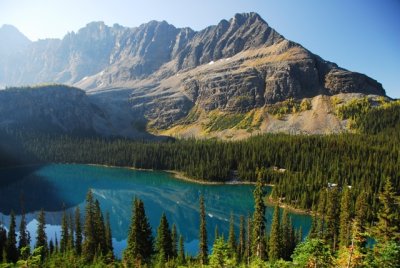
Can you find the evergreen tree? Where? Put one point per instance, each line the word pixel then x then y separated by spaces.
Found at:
pixel 360 220
pixel 108 237
pixel 41 237
pixel 181 251
pixel 100 229
pixel 241 247
pixel 216 233
pixel 89 246
pixel 232 237
pixel 220 256
pixel 24 236
pixel 258 223
pixel 164 240
pixel 78 232
pixel 286 236
pixel 249 241
pixel 203 247
pixel 140 240
pixel 275 250
pixel 332 216
pixel 174 238
pixel 64 232
pixel 388 226
pixel 71 240
pixel 321 218
pixel 345 219
pixel 11 245
pixel 313 253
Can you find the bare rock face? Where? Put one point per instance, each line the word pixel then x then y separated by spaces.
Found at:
pixel 235 66
pixel 51 108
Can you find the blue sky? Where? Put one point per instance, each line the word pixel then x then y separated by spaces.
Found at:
pixel 359 35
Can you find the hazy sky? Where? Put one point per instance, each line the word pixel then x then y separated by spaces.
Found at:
pixel 359 35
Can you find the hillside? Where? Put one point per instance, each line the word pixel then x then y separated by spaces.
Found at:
pixel 175 81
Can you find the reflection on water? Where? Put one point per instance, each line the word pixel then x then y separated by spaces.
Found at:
pixel 51 186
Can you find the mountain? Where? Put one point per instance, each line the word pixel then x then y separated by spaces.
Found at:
pixel 177 81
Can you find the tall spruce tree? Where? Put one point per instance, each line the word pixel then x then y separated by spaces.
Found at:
pixel 24 236
pixel 321 218
pixel 64 233
pixel 140 241
pixel 241 247
pixel 108 237
pixel 100 230
pixel 174 238
pixel 203 246
pixel 360 220
pixel 249 241
pixel 71 240
pixel 11 244
pixel 388 226
pixel 78 232
pixel 332 216
pixel 232 237
pixel 258 223
pixel 164 240
pixel 274 252
pixel 181 251
pixel 345 218
pixel 89 246
pixel 286 236
pixel 41 237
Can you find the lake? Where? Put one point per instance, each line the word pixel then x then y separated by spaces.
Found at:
pixel 51 186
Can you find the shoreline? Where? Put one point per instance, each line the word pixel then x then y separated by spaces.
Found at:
pixel 269 201
pixel 179 175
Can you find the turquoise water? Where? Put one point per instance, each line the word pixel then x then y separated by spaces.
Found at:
pixel 51 186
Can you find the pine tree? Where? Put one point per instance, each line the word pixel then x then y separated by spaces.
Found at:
pixel 321 218
pixel 216 232
pixel 11 245
pixel 203 247
pixel 274 252
pixel 41 237
pixel 164 240
pixel 286 236
pixel 108 237
pixel 174 238
pixel 89 246
pixel 24 236
pixel 258 223
pixel 71 240
pixel 345 219
pixel 249 241
pixel 241 248
pixel 140 240
pixel 232 237
pixel 99 226
pixel 360 220
pixel 181 252
pixel 64 233
pixel 78 232
pixel 332 216
pixel 388 226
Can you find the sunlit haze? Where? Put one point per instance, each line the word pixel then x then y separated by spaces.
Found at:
pixel 359 35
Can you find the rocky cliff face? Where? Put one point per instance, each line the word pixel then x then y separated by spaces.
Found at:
pixel 50 108
pixel 235 66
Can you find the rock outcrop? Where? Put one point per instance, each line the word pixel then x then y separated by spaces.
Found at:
pixel 235 66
